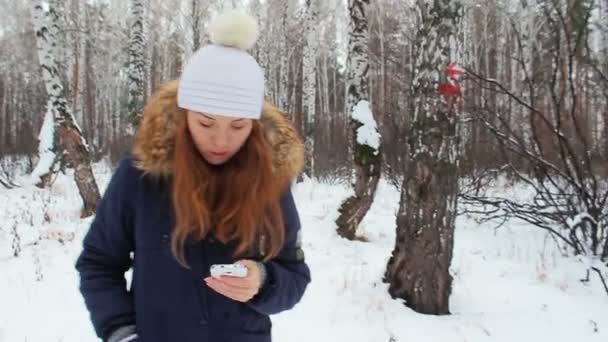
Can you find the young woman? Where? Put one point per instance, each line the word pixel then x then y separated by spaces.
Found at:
pixel 207 183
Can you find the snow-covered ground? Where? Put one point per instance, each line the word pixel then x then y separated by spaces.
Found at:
pixel 510 284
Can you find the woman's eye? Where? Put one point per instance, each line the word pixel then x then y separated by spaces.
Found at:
pixel 205 125
pixel 238 127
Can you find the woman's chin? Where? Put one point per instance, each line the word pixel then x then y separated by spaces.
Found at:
pixel 216 160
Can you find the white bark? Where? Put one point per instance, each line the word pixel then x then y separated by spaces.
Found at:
pixel 365 139
pixel 45 24
pixel 309 74
pixel 325 108
pixel 137 65
pixel 261 49
pixel 69 147
pixel 309 63
pixel 284 59
pixel 358 59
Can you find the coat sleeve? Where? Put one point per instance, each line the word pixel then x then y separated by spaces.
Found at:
pixel 287 274
pixel 106 256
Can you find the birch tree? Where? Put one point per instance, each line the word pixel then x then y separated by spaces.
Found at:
pixel 61 141
pixel 309 73
pixel 196 16
pixel 418 270
pixel 365 136
pixel 137 65
pixel 283 100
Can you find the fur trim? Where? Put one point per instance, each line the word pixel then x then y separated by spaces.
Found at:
pixel 234 28
pixel 154 146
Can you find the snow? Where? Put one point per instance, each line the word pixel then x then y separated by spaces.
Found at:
pixel 45 147
pixel 510 284
pixel 578 219
pixel 95 2
pixel 367 134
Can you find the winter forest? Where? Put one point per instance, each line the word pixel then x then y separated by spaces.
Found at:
pixel 456 177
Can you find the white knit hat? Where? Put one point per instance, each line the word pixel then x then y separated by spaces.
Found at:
pixel 222 78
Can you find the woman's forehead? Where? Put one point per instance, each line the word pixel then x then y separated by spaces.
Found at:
pixel 218 117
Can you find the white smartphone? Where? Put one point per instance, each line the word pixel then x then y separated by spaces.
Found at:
pixel 232 270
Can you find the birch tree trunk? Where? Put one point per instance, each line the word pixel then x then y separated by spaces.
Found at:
pixel 309 74
pixel 366 139
pixel 418 270
pixel 284 61
pixel 60 136
pixel 137 65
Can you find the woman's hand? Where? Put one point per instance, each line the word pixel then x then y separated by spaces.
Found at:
pixel 239 289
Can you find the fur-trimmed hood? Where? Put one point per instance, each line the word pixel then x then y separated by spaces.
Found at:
pixel 154 145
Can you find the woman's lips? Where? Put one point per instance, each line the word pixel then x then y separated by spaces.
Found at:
pixel 219 154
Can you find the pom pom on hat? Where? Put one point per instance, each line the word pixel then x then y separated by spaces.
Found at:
pixel 223 78
pixel 234 28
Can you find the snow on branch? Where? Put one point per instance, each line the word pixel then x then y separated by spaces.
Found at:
pixel 367 134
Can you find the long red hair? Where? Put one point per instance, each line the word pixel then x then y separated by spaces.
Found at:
pixel 236 201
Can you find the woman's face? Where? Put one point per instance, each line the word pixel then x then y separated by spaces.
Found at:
pixel 217 137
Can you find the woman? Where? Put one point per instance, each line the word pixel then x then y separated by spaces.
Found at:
pixel 207 183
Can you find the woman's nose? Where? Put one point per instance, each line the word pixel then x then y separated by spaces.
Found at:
pixel 221 140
